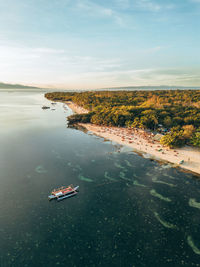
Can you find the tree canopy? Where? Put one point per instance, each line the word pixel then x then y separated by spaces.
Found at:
pixel 162 110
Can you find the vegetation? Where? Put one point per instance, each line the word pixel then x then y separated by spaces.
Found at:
pixel 174 112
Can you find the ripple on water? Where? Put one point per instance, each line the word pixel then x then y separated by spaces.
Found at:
pixel 164 223
pixel 156 194
pixel 193 203
pixel 192 245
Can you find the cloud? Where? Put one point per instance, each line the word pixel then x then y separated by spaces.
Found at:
pixel 97 10
pixel 47 65
pixel 150 5
pixel 138 77
pixel 42 64
pixel 173 76
pixel 124 4
pixel 11 54
pixel 44 50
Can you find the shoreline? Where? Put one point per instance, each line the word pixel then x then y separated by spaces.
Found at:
pixel 143 143
pixel 75 108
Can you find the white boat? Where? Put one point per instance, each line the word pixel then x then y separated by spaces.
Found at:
pixel 63 192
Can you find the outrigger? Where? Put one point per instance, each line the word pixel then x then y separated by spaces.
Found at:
pixel 63 192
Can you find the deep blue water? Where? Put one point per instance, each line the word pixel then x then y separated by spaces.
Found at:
pixel 130 211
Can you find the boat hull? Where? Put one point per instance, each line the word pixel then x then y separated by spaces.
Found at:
pixel 67 195
pixel 51 197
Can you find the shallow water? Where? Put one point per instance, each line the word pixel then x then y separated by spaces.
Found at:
pixel 120 217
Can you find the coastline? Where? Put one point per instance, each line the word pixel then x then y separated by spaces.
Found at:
pixel 75 108
pixel 142 142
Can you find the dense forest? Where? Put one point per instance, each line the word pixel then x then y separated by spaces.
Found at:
pixel 175 113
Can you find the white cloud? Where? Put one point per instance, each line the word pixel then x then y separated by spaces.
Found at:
pixel 61 68
pixel 124 4
pixel 140 77
pixel 98 10
pixel 44 50
pixel 149 5
pixel 19 64
pixel 153 6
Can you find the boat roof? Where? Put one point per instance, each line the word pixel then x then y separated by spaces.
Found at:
pixel 63 188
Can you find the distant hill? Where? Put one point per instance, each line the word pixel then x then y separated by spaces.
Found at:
pixel 161 87
pixel 122 88
pixel 16 86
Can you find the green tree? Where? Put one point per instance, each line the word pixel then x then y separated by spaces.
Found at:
pixel 196 138
pixel 167 122
pixel 188 131
pixel 173 139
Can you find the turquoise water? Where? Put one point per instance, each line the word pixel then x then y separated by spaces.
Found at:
pixel 130 211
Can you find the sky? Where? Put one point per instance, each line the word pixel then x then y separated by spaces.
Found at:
pixel 100 43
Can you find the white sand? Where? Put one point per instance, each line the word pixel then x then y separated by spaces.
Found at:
pixel 143 142
pixel 76 108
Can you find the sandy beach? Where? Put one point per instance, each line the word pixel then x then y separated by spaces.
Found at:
pixel 75 108
pixel 143 142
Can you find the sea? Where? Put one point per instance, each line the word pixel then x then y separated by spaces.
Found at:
pixel 130 211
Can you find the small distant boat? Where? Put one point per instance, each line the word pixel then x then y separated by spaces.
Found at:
pixel 45 107
pixel 63 192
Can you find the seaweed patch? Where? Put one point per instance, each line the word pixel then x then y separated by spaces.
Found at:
pixel 108 177
pixel 192 245
pixel 86 179
pixel 164 223
pixel 128 163
pixel 193 203
pixel 118 165
pixel 122 176
pixel 138 184
pixel 155 180
pixel 40 169
pixel 155 194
